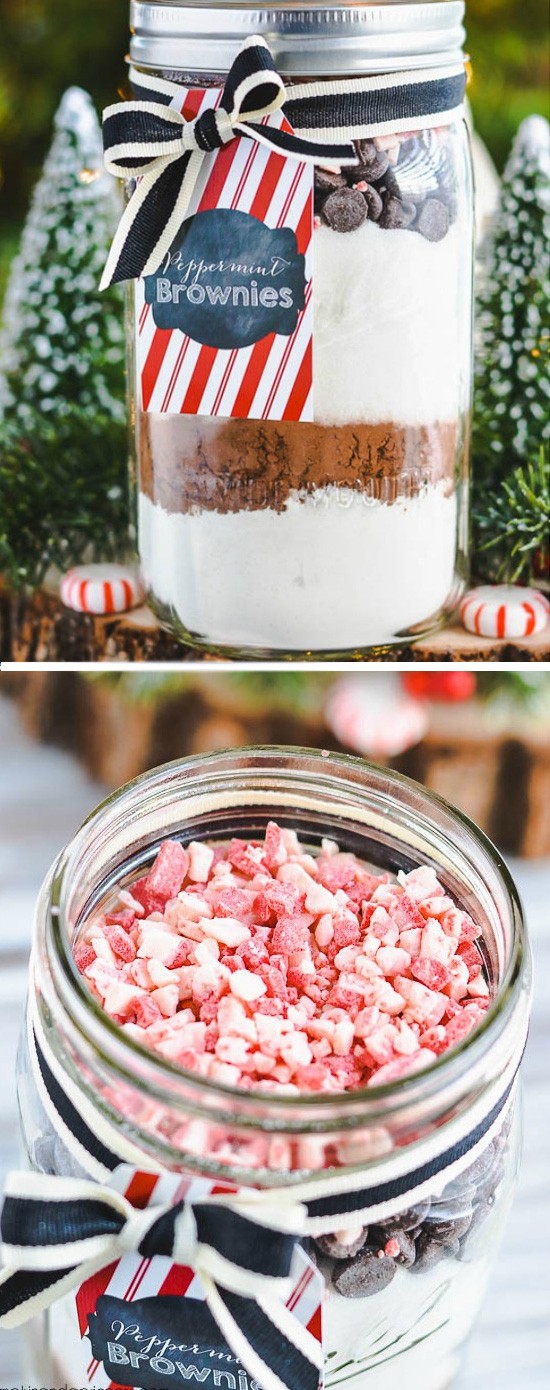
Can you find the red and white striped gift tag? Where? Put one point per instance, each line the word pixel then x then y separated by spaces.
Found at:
pixel 271 379
pixel 141 1354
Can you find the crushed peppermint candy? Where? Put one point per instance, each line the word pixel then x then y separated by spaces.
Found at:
pixel 259 965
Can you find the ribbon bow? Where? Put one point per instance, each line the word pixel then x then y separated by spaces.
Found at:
pixel 56 1232
pixel 154 141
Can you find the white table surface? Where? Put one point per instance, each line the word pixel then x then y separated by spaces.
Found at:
pixel 43 795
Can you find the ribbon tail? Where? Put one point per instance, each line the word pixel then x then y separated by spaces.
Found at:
pixel 192 165
pixel 26 1292
pixel 286 143
pixel 258 1336
pixel 144 233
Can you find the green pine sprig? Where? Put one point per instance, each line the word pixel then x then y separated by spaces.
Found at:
pixel 514 689
pixel 63 493
pixel 512 524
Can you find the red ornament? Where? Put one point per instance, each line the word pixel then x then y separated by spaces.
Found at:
pixel 447 686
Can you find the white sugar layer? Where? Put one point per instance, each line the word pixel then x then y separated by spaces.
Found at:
pixel 330 572
pixel 391 327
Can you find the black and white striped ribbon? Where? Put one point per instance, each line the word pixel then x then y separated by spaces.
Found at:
pixel 57 1231
pixel 150 139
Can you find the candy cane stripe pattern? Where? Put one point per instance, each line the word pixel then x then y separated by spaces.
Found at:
pixel 101 589
pixel 504 610
pixel 271 378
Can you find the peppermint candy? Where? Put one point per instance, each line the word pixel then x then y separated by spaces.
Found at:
pixel 375 716
pixel 504 610
pixel 101 589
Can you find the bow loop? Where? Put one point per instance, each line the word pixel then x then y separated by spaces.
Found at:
pixel 253 87
pixel 141 135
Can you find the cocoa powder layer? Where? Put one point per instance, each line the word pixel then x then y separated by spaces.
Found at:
pixel 195 463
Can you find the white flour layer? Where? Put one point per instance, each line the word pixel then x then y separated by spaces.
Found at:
pixel 391 326
pixel 330 572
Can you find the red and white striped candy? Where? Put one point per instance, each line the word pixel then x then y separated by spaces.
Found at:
pixel 101 588
pixel 504 610
pixel 374 715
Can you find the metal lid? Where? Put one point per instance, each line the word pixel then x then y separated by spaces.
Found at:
pixel 306 40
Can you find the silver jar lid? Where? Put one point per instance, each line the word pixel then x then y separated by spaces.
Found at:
pixel 306 40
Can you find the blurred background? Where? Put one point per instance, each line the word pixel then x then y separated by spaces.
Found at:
pixel 482 740
pixel 47 45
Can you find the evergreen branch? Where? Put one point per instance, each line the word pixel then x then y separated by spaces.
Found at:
pixel 513 523
pixel 63 493
pixel 514 688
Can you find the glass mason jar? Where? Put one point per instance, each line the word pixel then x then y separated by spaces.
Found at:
pixel 414 1322
pixel 344 529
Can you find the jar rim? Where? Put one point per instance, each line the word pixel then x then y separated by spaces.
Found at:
pixel 105 1035
pixel 319 39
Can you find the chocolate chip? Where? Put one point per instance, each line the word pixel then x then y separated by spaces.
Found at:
pixel 429 1252
pixel 373 201
pixel 458 1193
pixel 410 149
pixel 389 183
pixel 447 188
pixel 369 1273
pixel 485 1189
pixel 447 1231
pixel 407 1220
pixel 373 162
pixel 329 1245
pixel 407 1249
pixel 326 180
pixel 448 1208
pixel 345 209
pixel 433 220
pixel 480 1214
pixel 396 214
pixel 477 1171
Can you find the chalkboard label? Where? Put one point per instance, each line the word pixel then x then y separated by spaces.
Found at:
pixel 165 1340
pixel 229 280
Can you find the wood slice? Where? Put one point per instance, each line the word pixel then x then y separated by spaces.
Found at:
pixel 40 628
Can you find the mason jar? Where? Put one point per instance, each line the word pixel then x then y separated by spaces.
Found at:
pixel 414 1323
pixel 306 494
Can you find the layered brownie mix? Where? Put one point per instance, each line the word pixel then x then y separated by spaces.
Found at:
pixel 230 465
pixel 222 501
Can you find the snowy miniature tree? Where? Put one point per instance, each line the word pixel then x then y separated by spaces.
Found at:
pixel 63 444
pixel 512 387
pixel 62 342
